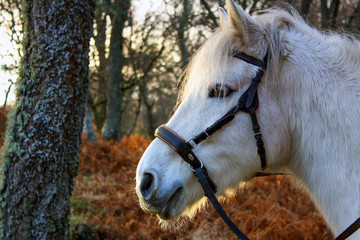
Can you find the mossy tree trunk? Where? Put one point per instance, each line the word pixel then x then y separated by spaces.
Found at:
pixel 41 151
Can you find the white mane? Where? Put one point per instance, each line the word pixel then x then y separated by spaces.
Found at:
pixel 319 75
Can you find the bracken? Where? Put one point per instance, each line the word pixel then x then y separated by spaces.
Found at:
pixel 104 197
pixel 268 208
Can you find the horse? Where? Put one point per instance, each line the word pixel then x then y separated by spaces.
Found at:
pixel 309 113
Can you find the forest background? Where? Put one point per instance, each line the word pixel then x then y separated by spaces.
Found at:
pixel 136 66
pixel 137 59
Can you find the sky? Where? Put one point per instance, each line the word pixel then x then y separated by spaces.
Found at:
pixel 141 7
pixel 6 46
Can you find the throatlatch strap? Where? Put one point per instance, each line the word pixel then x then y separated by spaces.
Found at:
pixel 258 138
pixel 211 196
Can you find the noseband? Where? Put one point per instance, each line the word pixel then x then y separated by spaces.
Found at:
pixel 248 102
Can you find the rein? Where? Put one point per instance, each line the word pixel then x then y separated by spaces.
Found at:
pixel 248 102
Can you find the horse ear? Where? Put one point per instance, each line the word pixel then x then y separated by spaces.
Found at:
pixel 245 26
pixel 224 18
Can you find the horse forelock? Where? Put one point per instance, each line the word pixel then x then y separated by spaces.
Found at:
pixel 213 57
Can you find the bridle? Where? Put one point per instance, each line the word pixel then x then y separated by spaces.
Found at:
pixel 248 102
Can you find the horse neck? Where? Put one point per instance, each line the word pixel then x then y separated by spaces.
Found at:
pixel 320 99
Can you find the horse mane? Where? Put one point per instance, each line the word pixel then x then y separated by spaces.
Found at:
pixel 217 51
pixel 281 23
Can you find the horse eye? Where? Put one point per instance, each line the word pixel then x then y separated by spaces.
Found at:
pixel 220 91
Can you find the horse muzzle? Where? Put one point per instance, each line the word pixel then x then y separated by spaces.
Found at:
pixel 163 201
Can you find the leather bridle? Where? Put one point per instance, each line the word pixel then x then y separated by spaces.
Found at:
pixel 248 102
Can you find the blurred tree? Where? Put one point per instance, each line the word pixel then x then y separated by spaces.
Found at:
pixel 100 75
pixel 41 151
pixel 88 128
pixel 353 22
pixel 182 24
pixel 329 13
pixel 145 55
pixel 119 15
pixel 305 7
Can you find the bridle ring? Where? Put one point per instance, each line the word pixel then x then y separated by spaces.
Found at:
pixel 201 166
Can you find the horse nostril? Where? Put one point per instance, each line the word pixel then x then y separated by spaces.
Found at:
pixel 146 185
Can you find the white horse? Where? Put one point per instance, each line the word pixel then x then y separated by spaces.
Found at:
pixel 309 114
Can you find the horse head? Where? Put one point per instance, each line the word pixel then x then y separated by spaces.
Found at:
pixel 215 81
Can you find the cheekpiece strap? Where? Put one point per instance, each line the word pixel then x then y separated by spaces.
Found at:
pixel 211 196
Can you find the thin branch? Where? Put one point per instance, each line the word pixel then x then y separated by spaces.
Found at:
pixel 210 13
pixel 7 93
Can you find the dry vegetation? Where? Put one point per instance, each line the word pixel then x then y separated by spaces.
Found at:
pixel 104 198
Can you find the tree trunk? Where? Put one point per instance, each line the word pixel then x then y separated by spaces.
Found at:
pixel 88 128
pixel 183 22
pixel 355 15
pixel 102 68
pixel 148 108
pixel 329 14
pixel 112 128
pixel 41 151
pixel 181 39
pixel 305 6
pixel 334 11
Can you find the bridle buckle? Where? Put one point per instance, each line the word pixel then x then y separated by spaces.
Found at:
pixel 192 143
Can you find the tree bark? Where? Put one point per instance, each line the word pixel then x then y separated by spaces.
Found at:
pixel 112 128
pixel 41 151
